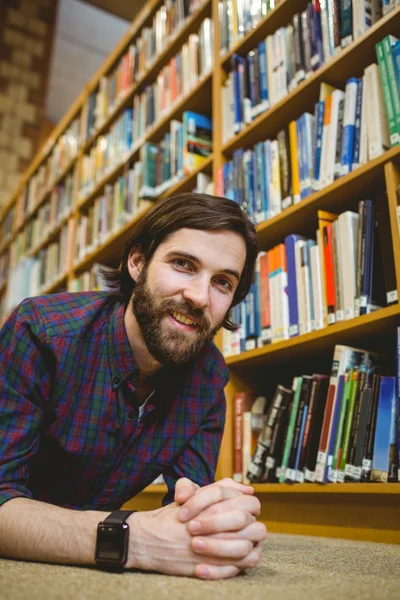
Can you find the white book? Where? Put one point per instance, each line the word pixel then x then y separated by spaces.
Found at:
pixel 316 278
pixel 305 282
pixel 348 237
pixel 337 96
pixel 275 188
pixel 365 14
pixel 378 128
pixel 325 30
pixel 338 273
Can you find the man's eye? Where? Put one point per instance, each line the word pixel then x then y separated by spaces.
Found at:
pixel 181 263
pixel 225 283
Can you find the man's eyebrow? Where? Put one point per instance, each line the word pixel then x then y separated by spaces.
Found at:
pixel 197 261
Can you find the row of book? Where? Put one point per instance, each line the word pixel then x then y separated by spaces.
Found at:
pixel 303 285
pixel 338 428
pixel 109 151
pixel 315 34
pixel 268 73
pixel 346 130
pixel 133 63
pixel 31 276
pixel 181 151
pixel 43 180
pixel 175 80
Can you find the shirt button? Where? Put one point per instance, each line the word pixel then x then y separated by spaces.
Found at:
pixel 116 379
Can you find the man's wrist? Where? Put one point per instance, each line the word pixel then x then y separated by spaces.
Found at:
pixel 137 558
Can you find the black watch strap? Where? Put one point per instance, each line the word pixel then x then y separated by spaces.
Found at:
pixel 118 516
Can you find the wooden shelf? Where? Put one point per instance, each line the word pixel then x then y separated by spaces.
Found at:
pixel 172 47
pixel 61 281
pixel 303 98
pixel 329 488
pixel 360 330
pixel 276 18
pixel 335 197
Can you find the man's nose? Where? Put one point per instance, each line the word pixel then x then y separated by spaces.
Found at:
pixel 198 291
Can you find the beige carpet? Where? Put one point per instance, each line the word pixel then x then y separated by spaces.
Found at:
pixel 292 567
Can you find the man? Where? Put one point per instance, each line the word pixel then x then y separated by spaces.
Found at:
pixel 102 392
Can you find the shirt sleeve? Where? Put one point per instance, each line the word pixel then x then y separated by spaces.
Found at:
pixel 198 460
pixel 24 378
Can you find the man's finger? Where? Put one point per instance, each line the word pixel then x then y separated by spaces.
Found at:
pixel 230 549
pixel 241 487
pixel 184 489
pixel 205 497
pixel 215 572
pixel 230 525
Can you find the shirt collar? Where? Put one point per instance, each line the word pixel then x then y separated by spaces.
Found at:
pixel 120 356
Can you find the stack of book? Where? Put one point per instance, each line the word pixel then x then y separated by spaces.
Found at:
pixel 303 285
pixel 346 130
pixel 341 428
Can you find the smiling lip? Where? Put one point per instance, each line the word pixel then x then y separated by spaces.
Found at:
pixel 182 326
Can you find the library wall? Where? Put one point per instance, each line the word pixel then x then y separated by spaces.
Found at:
pixel 26 37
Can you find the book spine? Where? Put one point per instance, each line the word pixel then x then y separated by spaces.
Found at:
pixel 371 425
pixel 388 42
pixel 387 95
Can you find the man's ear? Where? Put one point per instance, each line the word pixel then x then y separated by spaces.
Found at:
pixel 136 262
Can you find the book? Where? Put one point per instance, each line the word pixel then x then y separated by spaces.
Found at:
pixel 384 462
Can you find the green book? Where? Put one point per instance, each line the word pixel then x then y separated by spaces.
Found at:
pixel 346 22
pixel 388 43
pixel 349 423
pixel 394 136
pixel 348 379
pixel 292 422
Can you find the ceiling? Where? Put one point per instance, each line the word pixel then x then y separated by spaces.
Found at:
pixel 125 9
pixel 85 36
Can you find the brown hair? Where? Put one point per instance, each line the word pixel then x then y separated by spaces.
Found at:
pixel 192 211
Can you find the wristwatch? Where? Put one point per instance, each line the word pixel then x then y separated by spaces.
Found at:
pixel 112 541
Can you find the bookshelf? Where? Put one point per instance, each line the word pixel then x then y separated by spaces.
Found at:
pixel 357 511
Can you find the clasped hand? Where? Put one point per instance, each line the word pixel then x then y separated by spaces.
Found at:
pixel 221 517
pixel 209 532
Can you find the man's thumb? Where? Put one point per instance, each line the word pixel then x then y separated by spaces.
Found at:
pixel 184 489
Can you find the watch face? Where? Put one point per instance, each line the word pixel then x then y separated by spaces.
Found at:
pixel 112 543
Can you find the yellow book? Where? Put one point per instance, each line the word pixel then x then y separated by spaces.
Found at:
pixel 294 162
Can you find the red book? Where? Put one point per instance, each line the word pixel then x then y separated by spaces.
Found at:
pixel 242 403
pixel 329 273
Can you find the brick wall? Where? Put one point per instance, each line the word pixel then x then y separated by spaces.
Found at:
pixel 26 40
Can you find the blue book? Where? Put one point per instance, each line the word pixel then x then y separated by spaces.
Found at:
pixel 263 73
pixel 302 428
pixel 308 120
pixel 258 184
pixel 238 118
pixel 290 242
pixel 265 190
pixel 268 173
pixel 335 420
pixel 318 130
pixel 357 130
pixel 396 61
pixel 385 456
pixel 300 153
pixel 349 123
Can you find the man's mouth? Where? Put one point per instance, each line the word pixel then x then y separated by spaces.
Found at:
pixel 183 319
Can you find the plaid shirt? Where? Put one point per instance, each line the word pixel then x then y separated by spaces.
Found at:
pixel 70 433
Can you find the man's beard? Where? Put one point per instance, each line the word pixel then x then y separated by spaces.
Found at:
pixel 172 346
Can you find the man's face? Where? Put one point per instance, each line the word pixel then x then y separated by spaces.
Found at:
pixel 182 296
